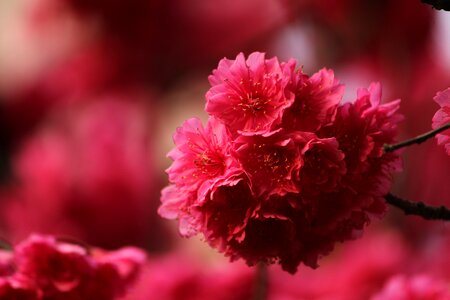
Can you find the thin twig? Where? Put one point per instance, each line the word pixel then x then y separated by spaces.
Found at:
pixel 261 281
pixel 438 4
pixel 419 208
pixel 416 140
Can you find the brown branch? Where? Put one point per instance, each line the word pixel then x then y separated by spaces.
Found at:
pixel 419 208
pixel 416 140
pixel 438 4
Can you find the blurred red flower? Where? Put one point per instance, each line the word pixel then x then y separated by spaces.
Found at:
pixel 88 174
pixel 442 117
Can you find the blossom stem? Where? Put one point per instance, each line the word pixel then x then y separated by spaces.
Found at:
pixel 416 140
pixel 419 208
pixel 261 281
pixel 439 4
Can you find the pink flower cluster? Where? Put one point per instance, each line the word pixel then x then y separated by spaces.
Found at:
pixel 281 171
pixel 83 174
pixel 442 117
pixel 45 269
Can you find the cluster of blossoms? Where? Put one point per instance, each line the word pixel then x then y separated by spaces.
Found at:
pixel 81 174
pixel 41 268
pixel 442 117
pixel 281 171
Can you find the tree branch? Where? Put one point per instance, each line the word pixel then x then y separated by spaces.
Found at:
pixel 419 208
pixel 439 4
pixel 416 140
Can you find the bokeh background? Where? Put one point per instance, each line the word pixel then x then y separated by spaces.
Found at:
pixel 91 92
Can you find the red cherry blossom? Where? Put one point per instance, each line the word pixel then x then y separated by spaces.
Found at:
pixel 285 184
pixel 227 208
pixel 361 129
pixel 323 166
pixel 442 117
pixel 316 99
pixel 176 204
pixel 249 95
pixel 272 163
pixel 201 155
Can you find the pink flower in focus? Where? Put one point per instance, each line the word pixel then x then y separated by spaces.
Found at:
pixel 176 204
pixel 202 159
pixel 202 154
pixel 363 127
pixel 304 172
pixel 323 166
pixel 249 96
pixel 227 209
pixel 419 287
pixel 442 117
pixel 316 99
pixel 272 163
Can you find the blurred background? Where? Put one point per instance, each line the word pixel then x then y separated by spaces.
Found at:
pixel 91 92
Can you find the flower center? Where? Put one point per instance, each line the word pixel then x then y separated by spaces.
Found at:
pixel 209 164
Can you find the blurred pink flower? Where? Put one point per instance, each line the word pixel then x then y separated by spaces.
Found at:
pixel 177 277
pixel 442 117
pixel 206 30
pixel 6 263
pixel 419 287
pixel 48 269
pixel 403 29
pixel 13 289
pixel 88 174
pixel 210 30
pixel 89 71
pixel 356 271
pixel 54 268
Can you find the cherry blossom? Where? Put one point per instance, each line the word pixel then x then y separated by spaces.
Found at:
pixel 442 117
